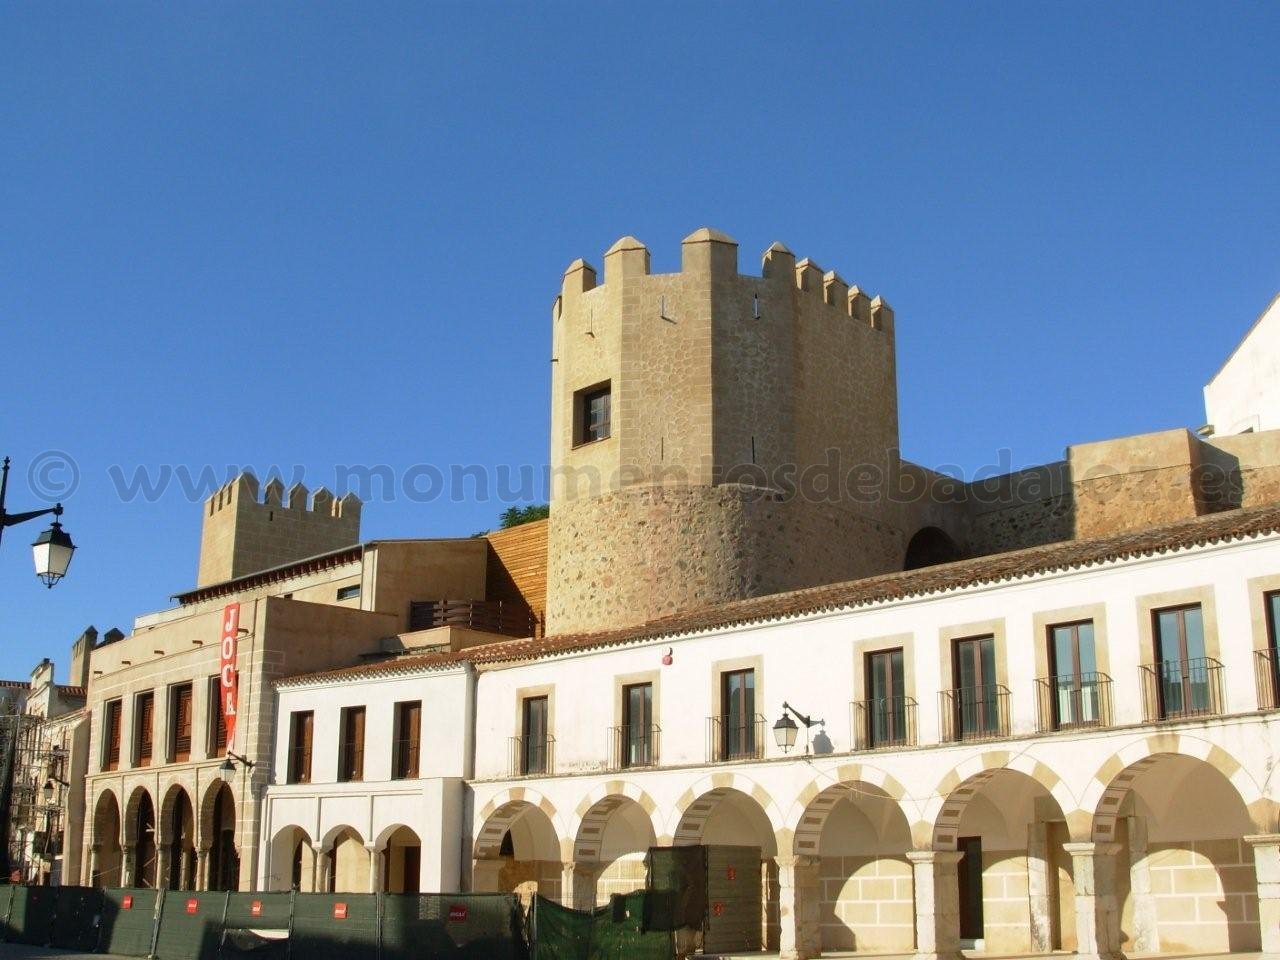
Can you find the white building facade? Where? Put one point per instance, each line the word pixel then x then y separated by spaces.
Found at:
pixel 1062 748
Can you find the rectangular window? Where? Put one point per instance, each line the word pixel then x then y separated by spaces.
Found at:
pixel 1183 684
pixel 977 700
pixel 351 751
pixel 301 723
pixel 144 716
pixel 637 725
pixel 180 723
pixel 1075 681
pixel 111 735
pixel 738 714
pixel 349 593
pixel 408 740
pixel 217 722
pixel 886 699
pixel 1269 666
pixel 533 735
pixel 592 414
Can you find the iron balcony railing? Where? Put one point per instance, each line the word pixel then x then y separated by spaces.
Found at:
pixel 974 713
pixel 491 616
pixel 1266 672
pixel 299 770
pixel 885 722
pixel 634 746
pixel 735 738
pixel 532 755
pixel 405 752
pixel 1068 702
pixel 1176 689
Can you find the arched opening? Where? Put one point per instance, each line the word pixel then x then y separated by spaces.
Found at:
pixel 145 850
pixel 180 840
pixel 1184 875
pixel 930 546
pixel 403 862
pixel 224 858
pixel 741 848
pixel 106 837
pixel 859 838
pixel 293 861
pixel 613 839
pixel 348 863
pixel 1014 867
pixel 518 851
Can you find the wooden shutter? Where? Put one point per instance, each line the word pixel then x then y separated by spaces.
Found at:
pixel 145 720
pixel 217 722
pixel 300 748
pixel 112 735
pixel 357 743
pixel 182 723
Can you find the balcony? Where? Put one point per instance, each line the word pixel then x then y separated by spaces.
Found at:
pixel 735 738
pixel 884 723
pixel 490 616
pixel 532 756
pixel 1266 671
pixel 1071 702
pixel 1179 689
pixel 974 713
pixel 634 746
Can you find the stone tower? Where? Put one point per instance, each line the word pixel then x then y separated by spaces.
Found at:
pixel 243 534
pixel 736 405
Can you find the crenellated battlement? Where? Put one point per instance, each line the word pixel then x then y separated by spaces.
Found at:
pixel 247 528
pixel 244 490
pixel 709 257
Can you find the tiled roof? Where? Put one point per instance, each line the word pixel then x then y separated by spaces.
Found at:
pixel 73 692
pixel 1067 555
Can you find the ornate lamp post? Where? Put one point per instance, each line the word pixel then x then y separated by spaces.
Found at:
pixel 52 550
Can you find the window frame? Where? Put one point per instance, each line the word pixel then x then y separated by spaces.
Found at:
pixel 406 751
pixel 896 719
pixel 216 734
pixel 144 733
pixel 351 747
pixel 175 715
pixel 112 733
pixel 534 761
pixel 298 767
pixel 582 421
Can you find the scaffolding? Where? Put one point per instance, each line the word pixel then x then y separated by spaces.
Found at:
pixel 31 761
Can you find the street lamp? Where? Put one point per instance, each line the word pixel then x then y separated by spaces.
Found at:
pixel 228 769
pixel 52 549
pixel 48 789
pixel 784 731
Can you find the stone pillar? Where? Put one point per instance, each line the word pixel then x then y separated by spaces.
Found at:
pixel 188 868
pixel 800 936
pixel 320 867
pixel 129 866
pixel 486 876
pixel 202 868
pixel 375 868
pixel 95 859
pixel 1266 864
pixel 937 895
pixel 578 885
pixel 1039 888
pixel 1093 868
pixel 164 854
pixel 1146 931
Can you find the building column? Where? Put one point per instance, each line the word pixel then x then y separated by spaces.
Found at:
pixel 95 860
pixel 1266 865
pixel 937 895
pixel 163 855
pixel 1093 869
pixel 375 868
pixel 320 867
pixel 578 885
pixel 128 865
pixel 486 875
pixel 800 936
pixel 189 867
pixel 1039 888
pixel 1146 931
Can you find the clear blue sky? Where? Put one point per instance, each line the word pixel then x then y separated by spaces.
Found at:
pixel 319 234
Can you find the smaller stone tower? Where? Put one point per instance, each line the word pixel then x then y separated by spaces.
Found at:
pixel 243 534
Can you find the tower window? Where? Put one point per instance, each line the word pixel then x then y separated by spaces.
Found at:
pixel 591 414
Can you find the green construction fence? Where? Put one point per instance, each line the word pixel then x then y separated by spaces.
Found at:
pixel 612 932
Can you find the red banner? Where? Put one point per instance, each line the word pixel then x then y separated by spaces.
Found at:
pixel 227 672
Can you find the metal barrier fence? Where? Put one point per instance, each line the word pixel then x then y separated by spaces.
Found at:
pixel 186 925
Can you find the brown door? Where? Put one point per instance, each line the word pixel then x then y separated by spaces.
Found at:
pixel 412 868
